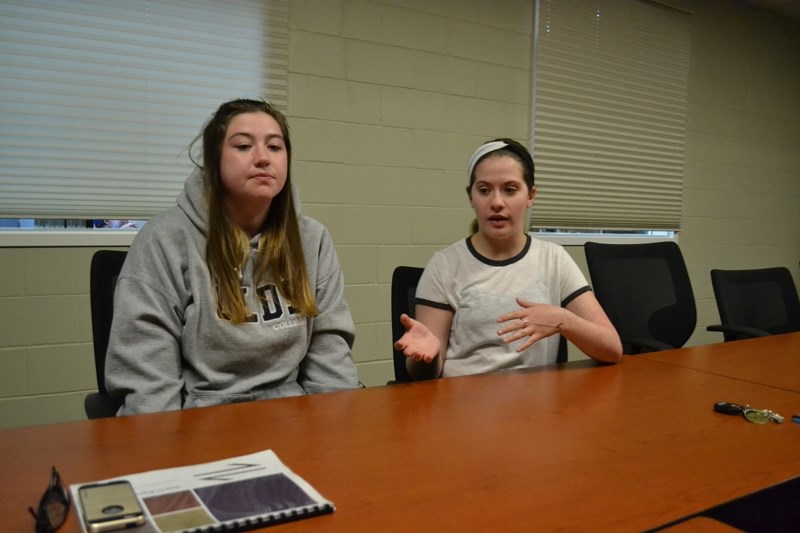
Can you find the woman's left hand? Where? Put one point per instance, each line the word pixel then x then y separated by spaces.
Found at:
pixel 535 321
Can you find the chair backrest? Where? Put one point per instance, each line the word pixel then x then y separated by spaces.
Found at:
pixel 404 289
pixel 764 298
pixel 645 291
pixel 104 271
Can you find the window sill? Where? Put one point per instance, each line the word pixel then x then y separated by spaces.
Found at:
pixel 65 238
pixel 579 239
pixel 117 237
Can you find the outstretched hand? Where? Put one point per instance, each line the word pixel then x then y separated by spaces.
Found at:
pixel 417 342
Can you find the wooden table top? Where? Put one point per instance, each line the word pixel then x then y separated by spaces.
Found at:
pixel 771 361
pixel 581 446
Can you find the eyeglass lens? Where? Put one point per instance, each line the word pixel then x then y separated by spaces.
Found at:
pixel 53 507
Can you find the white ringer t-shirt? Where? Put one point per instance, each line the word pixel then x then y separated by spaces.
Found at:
pixel 478 290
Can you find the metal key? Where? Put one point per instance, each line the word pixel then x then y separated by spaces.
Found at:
pixel 775 417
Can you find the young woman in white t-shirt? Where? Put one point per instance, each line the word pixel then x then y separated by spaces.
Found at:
pixel 500 298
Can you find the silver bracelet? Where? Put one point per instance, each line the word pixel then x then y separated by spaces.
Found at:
pixel 557 326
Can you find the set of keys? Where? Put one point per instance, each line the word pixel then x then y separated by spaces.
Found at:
pixel 756 416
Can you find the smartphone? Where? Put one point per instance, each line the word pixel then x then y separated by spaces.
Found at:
pixel 110 506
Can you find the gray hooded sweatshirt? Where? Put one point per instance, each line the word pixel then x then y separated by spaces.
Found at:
pixel 170 350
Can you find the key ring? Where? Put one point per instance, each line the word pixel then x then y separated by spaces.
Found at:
pixel 756 416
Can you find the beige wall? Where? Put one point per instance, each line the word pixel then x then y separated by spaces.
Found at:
pixel 742 173
pixel 387 100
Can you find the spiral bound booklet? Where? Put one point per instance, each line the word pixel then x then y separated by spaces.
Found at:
pixel 235 494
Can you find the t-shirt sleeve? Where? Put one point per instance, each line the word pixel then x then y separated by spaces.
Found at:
pixel 572 281
pixel 431 289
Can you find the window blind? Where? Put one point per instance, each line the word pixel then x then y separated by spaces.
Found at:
pixel 99 99
pixel 610 90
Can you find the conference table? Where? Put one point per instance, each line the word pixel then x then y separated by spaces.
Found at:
pixel 775 362
pixel 576 447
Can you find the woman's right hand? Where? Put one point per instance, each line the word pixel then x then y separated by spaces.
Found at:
pixel 417 342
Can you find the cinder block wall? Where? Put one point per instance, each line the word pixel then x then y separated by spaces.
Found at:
pixel 46 362
pixel 387 100
pixel 742 174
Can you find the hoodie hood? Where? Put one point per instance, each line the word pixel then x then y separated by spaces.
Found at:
pixel 192 200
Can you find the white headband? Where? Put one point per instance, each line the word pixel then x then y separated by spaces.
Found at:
pixel 482 151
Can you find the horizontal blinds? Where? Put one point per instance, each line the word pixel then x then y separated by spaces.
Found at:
pixel 99 100
pixel 609 114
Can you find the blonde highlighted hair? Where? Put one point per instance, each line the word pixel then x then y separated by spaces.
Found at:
pixel 227 245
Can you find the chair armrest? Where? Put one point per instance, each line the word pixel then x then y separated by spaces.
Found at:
pixel 646 345
pixel 743 332
pixel 100 405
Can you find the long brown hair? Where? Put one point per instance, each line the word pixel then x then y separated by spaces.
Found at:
pixel 227 245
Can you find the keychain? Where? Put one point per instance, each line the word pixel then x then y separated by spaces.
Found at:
pixel 756 416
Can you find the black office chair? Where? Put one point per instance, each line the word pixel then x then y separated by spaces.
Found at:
pixel 104 270
pixel 755 303
pixel 646 293
pixel 404 288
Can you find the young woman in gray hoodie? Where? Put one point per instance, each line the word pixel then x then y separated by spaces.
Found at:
pixel 232 295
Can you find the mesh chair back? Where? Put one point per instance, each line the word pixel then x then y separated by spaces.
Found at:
pixel 764 298
pixel 404 289
pixel 104 271
pixel 645 291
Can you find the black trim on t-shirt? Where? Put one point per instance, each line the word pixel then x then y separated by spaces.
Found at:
pixel 437 305
pixel 575 294
pixel 503 262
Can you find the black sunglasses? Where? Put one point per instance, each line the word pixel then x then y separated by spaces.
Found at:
pixel 53 507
